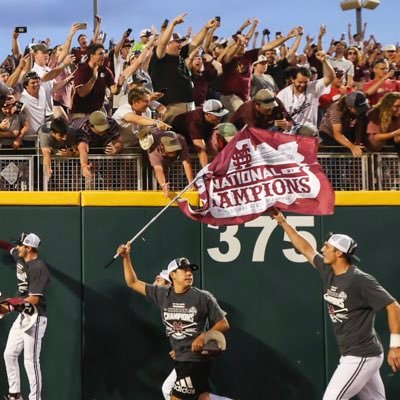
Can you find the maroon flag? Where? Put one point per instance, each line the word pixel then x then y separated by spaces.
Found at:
pixel 259 170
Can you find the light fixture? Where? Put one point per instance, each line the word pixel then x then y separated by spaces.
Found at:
pixel 350 4
pixel 371 4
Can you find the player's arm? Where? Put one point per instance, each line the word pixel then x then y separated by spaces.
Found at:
pixel 299 242
pixel 393 311
pixel 131 278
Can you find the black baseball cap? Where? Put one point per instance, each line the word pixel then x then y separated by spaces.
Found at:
pixel 359 101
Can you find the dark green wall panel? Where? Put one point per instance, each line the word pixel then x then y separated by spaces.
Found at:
pixel 280 345
pixel 60 231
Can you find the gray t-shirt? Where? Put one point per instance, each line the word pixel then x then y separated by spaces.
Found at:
pixel 33 278
pixel 352 300
pixel 46 140
pixel 185 316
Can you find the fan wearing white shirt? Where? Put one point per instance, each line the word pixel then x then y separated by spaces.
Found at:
pixel 301 97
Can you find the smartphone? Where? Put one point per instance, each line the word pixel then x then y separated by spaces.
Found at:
pixel 165 23
pixel 20 29
pixel 18 107
pixel 278 34
pixel 82 25
pixel 128 31
pixel 218 18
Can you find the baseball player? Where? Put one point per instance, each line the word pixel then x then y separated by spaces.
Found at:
pixel 186 312
pixel 33 278
pixel 353 297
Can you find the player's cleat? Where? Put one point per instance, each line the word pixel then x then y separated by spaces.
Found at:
pixel 13 397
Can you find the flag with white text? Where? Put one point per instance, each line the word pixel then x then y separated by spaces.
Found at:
pixel 259 170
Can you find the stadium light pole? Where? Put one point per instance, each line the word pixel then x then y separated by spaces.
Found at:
pixel 358 5
pixel 95 12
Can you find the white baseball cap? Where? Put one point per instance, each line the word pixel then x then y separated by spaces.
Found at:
pixel 344 243
pixel 164 274
pixel 180 263
pixel 214 341
pixel 31 240
pixel 389 47
pixel 214 107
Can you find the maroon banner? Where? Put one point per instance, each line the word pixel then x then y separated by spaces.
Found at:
pixel 259 170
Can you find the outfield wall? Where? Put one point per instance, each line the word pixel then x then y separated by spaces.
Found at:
pixel 105 342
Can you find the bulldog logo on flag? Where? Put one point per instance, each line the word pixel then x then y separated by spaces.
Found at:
pixel 259 170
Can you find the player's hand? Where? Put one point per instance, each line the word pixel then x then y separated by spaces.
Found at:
pixel 356 150
pixel 172 354
pixel 87 170
pixel 276 214
pixel 394 358
pixel 124 250
pixel 198 343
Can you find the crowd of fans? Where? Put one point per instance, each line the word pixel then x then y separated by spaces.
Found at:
pixel 170 94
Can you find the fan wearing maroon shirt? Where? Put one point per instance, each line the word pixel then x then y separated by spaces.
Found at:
pixel 382 84
pixel 91 80
pixel 264 111
pixel 197 126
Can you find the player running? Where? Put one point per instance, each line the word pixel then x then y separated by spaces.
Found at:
pixel 353 297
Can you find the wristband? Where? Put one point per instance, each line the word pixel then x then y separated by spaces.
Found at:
pixel 394 340
pixel 62 65
pixel 166 183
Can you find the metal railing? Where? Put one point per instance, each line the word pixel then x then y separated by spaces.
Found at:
pixel 17 172
pixel 119 172
pixel 378 171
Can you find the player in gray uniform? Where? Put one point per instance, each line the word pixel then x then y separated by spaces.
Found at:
pixel 187 313
pixel 33 278
pixel 353 297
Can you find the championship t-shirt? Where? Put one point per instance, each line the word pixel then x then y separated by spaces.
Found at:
pixel 33 278
pixel 185 316
pixel 352 300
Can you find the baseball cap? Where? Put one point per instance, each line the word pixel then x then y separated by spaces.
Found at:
pixel 214 341
pixel 359 101
pixel 227 130
pixel 99 120
pixel 145 32
pixel 261 59
pixel 40 47
pixel 344 243
pixel 145 137
pixel 171 141
pixel 307 129
pixel 266 98
pixel 214 107
pixel 339 72
pixel 28 239
pixel 176 37
pixel 135 78
pixel 180 263
pixel 164 274
pixel 389 47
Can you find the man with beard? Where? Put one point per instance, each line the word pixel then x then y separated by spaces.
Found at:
pixel 301 97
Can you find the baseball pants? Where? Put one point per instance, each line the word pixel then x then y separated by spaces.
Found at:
pixel 356 376
pixel 29 341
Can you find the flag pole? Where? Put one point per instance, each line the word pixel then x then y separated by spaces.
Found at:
pixel 155 218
